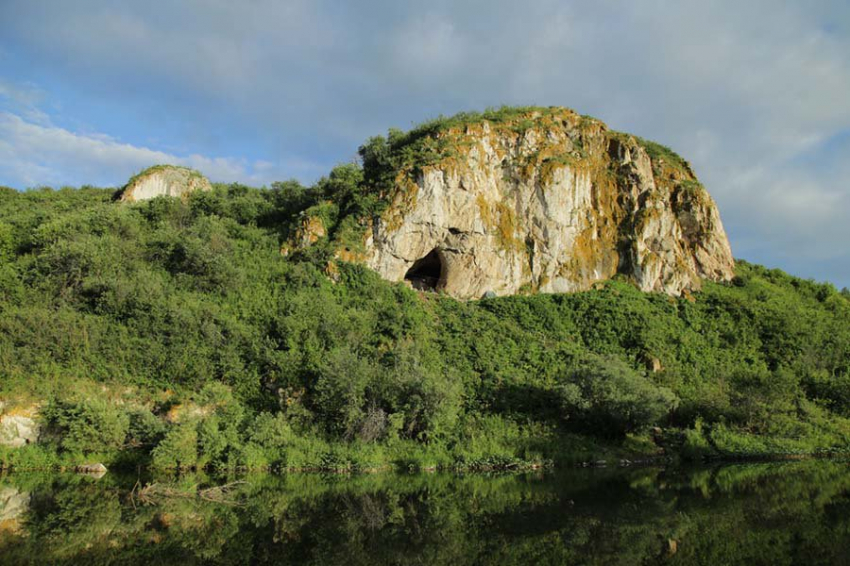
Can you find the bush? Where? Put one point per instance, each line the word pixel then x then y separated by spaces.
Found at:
pixel 271 432
pixel 29 457
pixel 145 430
pixel 603 395
pixel 695 444
pixel 220 431
pixel 339 393
pixel 90 425
pixel 7 243
pixel 179 448
pixel 833 391
pixel 426 400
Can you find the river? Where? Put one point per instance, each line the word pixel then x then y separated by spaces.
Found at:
pixel 776 513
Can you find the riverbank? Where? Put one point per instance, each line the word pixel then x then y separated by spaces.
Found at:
pixel 554 450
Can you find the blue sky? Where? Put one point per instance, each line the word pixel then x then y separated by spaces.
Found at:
pixel 756 95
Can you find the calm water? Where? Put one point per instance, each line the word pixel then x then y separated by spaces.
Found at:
pixel 749 514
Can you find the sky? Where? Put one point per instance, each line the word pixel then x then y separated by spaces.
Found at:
pixel 755 94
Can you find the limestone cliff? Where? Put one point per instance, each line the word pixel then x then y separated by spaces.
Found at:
pixel 164 180
pixel 541 200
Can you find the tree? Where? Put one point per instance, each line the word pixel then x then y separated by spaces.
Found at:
pixel 605 396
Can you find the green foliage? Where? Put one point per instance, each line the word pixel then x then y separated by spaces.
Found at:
pixel 7 243
pixel 29 457
pixel 288 369
pixel 90 425
pixel 145 429
pixel 342 186
pixel 606 396
pixel 179 448
pixel 220 432
pixel 695 445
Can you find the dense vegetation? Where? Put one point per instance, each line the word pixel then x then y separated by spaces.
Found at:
pixel 754 514
pixel 175 333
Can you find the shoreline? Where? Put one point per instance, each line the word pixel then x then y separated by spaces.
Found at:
pixel 654 462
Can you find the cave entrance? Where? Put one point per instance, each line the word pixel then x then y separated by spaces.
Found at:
pixel 425 274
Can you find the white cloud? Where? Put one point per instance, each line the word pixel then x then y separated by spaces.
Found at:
pixel 24 99
pixel 35 154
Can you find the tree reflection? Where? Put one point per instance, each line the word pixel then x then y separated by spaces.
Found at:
pixel 748 514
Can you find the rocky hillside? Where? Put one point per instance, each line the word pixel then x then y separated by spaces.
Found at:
pixel 525 200
pixel 172 333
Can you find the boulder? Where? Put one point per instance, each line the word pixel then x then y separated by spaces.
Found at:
pixel 164 180
pixel 18 430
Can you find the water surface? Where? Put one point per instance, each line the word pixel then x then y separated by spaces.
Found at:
pixel 793 513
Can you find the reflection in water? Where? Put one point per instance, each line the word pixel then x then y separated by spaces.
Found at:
pixel 749 514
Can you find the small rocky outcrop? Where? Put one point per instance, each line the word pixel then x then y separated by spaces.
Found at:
pixel 18 427
pixel 310 230
pixel 538 200
pixel 164 180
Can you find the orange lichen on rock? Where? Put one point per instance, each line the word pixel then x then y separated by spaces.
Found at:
pixel 544 199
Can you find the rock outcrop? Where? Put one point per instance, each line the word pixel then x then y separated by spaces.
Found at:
pixel 544 200
pixel 18 427
pixel 164 180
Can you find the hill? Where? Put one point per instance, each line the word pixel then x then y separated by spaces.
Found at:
pixel 172 332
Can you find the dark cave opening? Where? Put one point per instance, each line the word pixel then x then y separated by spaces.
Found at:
pixel 425 273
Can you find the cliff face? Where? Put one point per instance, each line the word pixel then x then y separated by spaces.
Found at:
pixel 164 180
pixel 545 201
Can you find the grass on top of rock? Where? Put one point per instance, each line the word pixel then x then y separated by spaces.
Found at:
pixel 193 173
pixel 384 157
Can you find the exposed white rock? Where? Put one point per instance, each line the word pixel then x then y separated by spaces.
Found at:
pixel 555 208
pixel 164 180
pixel 18 430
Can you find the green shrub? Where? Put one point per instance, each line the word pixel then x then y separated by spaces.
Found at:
pixel 606 396
pixel 90 425
pixel 695 445
pixel 145 429
pixel 268 438
pixel 340 391
pixel 7 243
pixel 832 390
pixel 29 457
pixel 179 448
pixel 271 431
